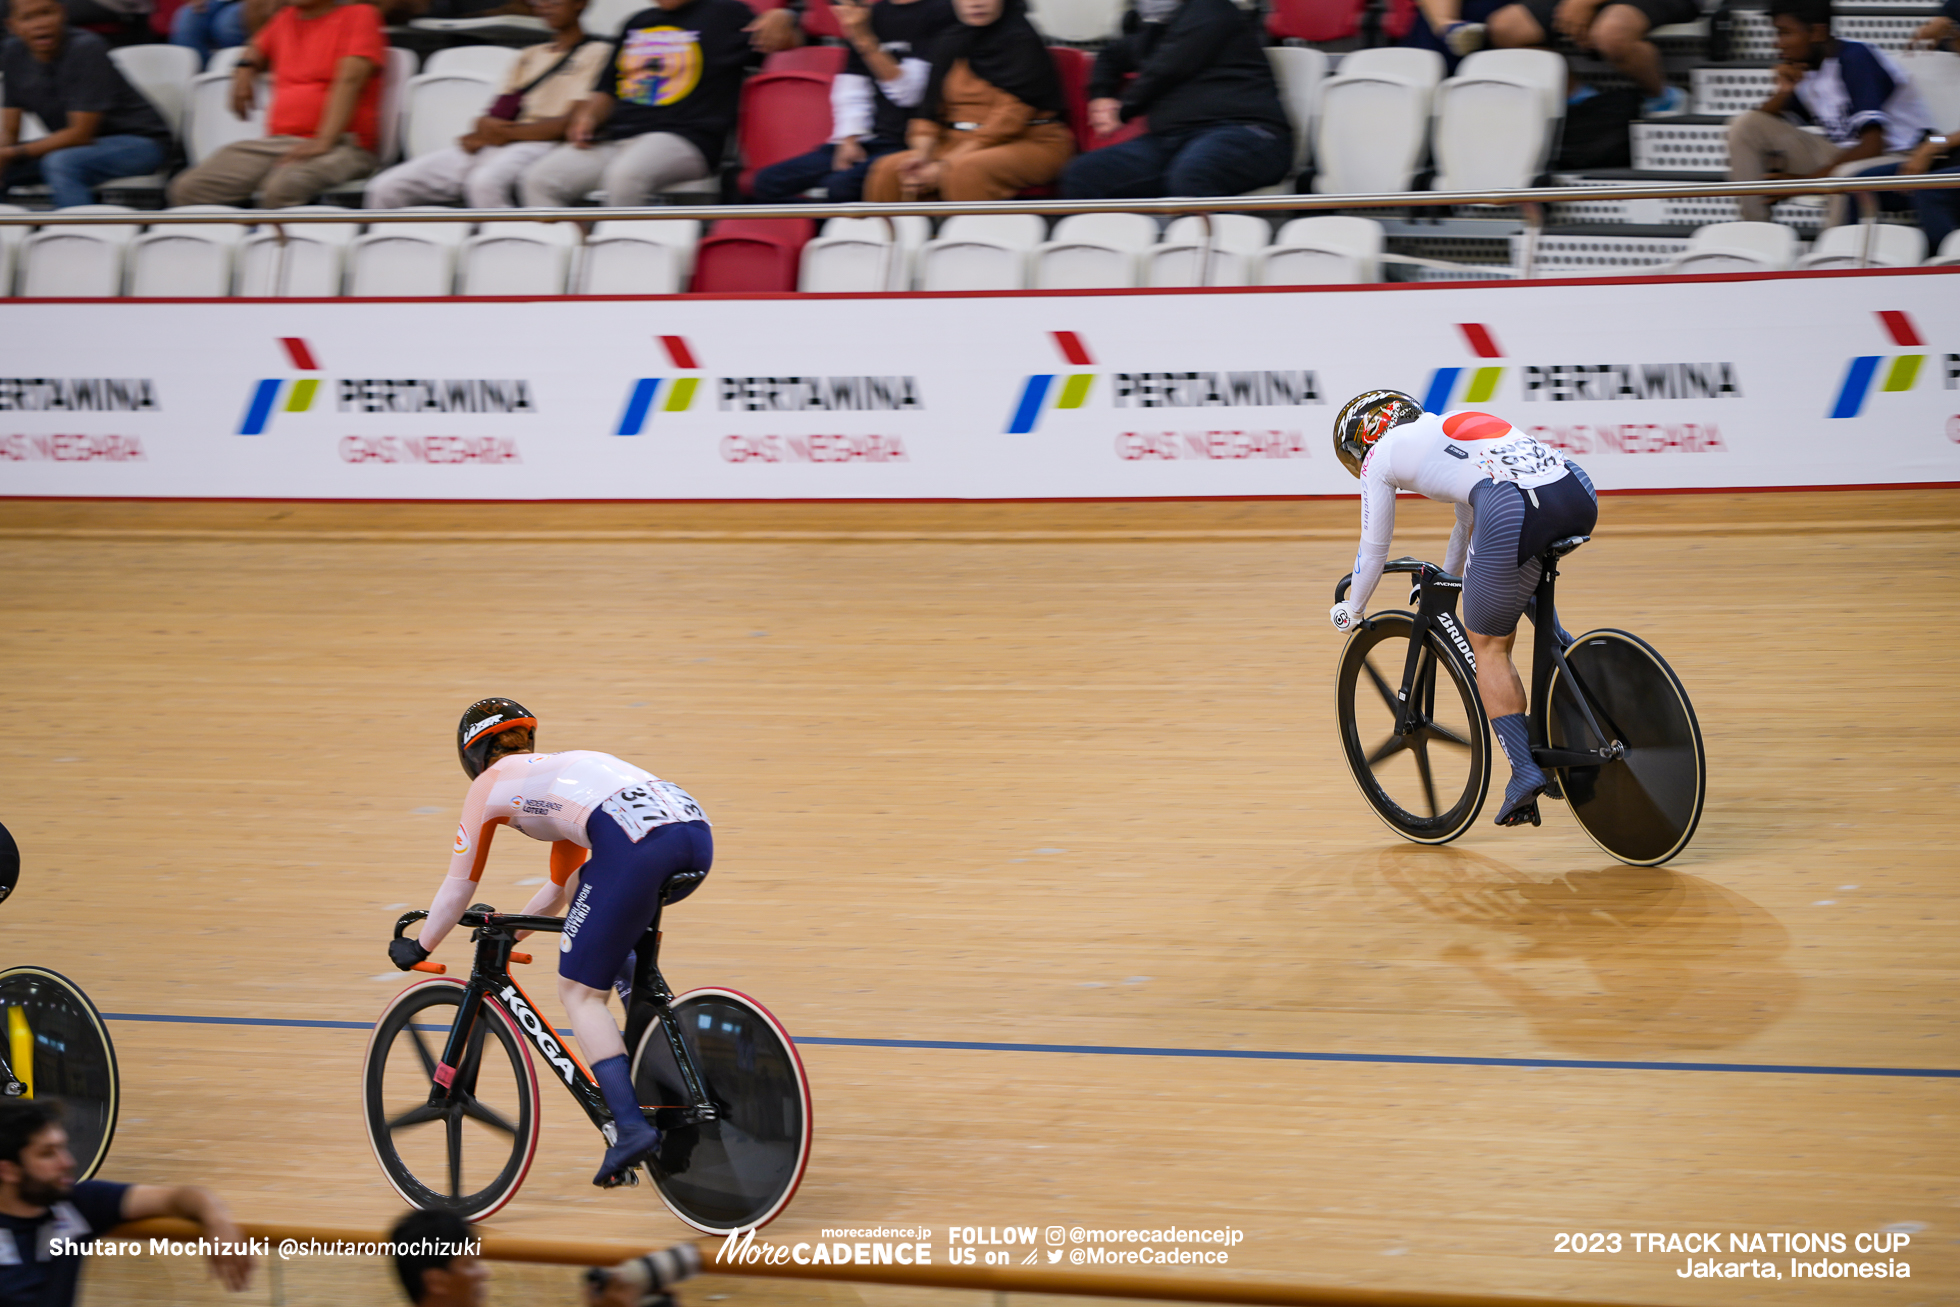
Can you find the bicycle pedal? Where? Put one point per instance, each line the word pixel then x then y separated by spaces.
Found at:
pixel 622 1179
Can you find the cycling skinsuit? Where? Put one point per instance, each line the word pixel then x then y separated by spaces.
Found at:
pixel 1513 497
pixel 640 830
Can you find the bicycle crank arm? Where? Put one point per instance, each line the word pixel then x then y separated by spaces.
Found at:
pixel 1579 757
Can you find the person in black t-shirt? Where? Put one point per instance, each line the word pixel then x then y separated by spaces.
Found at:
pixel 661 111
pixel 99 126
pixel 870 101
pixel 47 1220
pixel 1217 126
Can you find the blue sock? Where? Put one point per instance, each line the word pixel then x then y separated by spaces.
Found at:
pixel 616 1083
pixel 1526 777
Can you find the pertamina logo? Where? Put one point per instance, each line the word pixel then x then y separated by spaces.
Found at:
pixel 393 395
pixel 1901 375
pixel 1483 381
pixel 299 390
pixel 1196 388
pixel 640 399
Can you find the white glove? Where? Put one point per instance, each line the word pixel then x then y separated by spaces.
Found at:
pixel 1346 617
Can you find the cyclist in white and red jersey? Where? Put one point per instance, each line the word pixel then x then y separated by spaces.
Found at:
pixel 1514 496
pixel 638 829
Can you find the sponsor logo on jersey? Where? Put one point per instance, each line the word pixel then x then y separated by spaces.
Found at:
pixel 1455 451
pixel 462 839
pixel 819 394
pixel 78 395
pixel 517 802
pixel 539 1032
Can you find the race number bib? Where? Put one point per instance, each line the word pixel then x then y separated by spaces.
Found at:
pixel 1522 460
pixel 640 808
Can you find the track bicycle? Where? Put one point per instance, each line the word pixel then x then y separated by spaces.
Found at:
pixel 454 1123
pixel 1609 722
pixel 53 1044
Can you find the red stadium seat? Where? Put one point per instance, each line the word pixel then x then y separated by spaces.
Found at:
pixel 1315 20
pixel 823 60
pixel 782 115
pixel 751 254
pixel 819 22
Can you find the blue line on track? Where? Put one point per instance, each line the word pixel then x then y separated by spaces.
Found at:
pixel 1244 1054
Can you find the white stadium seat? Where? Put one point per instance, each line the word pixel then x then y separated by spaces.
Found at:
pixel 638 256
pixel 64 260
pixel 10 239
pixel 517 258
pixel 606 17
pixel 1076 20
pixel 1093 251
pixel 402 65
pixel 1948 256
pixel 980 251
pixel 437 108
pixel 313 262
pixel 1843 247
pixel 163 73
pixel 187 260
pixel 1374 120
pixel 1736 247
pixel 406 258
pixel 1178 259
pixel 1936 75
pixel 490 62
pixel 210 124
pixel 222 61
pixel 1299 70
pixel 1323 251
pixel 860 254
pixel 1496 119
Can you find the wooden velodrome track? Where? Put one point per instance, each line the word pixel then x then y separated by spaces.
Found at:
pixel 1057 775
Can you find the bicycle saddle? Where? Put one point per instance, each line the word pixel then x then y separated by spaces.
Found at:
pixel 680 885
pixel 1560 548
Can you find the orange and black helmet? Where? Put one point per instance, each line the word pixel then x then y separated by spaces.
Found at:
pixel 1367 418
pixel 485 720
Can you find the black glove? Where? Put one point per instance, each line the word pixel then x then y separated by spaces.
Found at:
pixel 406 952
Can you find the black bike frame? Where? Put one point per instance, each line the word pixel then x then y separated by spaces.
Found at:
pixel 1436 608
pixel 495 935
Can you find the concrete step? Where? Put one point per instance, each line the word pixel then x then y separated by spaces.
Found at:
pixel 1689 212
pixel 1688 144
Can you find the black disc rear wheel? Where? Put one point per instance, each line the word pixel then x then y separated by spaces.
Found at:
pixel 1429 783
pixel 1642 809
pixel 57 1046
pixel 741 1169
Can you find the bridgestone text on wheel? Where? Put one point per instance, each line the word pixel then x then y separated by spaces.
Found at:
pixel 1644 808
pixel 1429 784
pixel 740 1170
pixel 467 1155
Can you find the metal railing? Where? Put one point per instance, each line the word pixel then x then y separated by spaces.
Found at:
pixel 1532 201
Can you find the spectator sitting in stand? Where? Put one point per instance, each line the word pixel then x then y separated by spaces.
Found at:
pixel 870 101
pixel 99 126
pixel 522 124
pixel 44 1211
pixel 208 26
pixel 1870 112
pixel 661 110
pixel 1616 30
pixel 1943 30
pixel 1217 126
pixel 992 121
pixel 1939 210
pixel 324 124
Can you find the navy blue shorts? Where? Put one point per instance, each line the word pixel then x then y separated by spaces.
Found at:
pixel 619 892
pixel 1510 534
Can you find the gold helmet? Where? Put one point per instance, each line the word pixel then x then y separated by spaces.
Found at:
pixel 1367 418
